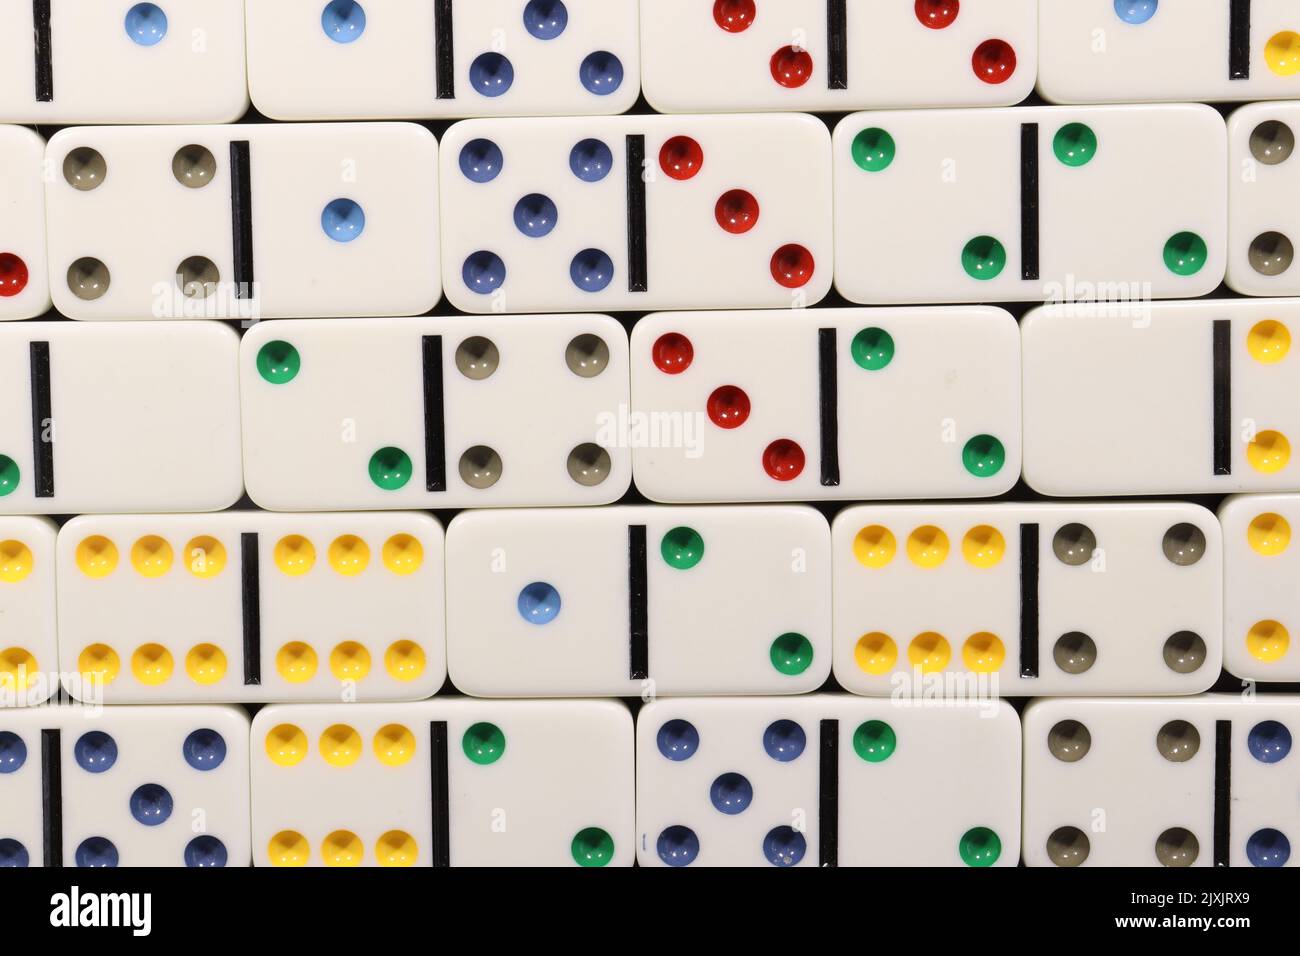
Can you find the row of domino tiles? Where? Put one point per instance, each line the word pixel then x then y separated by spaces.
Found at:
pixel 649 212
pixel 821 780
pixel 698 407
pixel 1015 600
pixel 301 59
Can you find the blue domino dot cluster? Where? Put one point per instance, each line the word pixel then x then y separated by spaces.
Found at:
pixel 535 215
pixel 146 24
pixel 491 73
pixel 731 793
pixel 150 804
pixel 1268 742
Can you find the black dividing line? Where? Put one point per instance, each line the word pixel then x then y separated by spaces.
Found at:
pixel 1222 396
pixel 638 595
pixel 241 217
pixel 251 592
pixel 444 52
pixel 440 812
pixel 638 277
pixel 1029 600
pixel 829 402
pixel 828 795
pixel 837 45
pixel 42 421
pixel 52 797
pixel 1222 790
pixel 1029 201
pixel 435 428
pixel 44 51
pixel 1239 40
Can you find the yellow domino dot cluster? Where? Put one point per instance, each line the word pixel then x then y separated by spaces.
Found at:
pixel 1268 343
pixel 341 745
pixel 1268 535
pixel 928 547
pixel 343 848
pixel 19 669
pixel 1282 53
pixel 205 557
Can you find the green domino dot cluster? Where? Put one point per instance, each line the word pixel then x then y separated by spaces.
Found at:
pixel 872 349
pixel 791 654
pixel 1075 144
pixel 875 741
pixel 983 456
pixel 8 475
pixel 984 258
pixel 390 468
pixel 682 548
pixel 592 847
pixel 484 743
pixel 979 847
pixel 1185 254
pixel 278 362
pixel 873 150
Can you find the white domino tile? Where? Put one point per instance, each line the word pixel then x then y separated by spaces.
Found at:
pixel 1130 51
pixel 443 782
pixel 1261 609
pixel 745 55
pixel 1263 180
pixel 1019 204
pixel 119 61
pixel 124 786
pixel 827 780
pixel 102 418
pixel 28 644
pixel 243 222
pixel 1027 599
pixel 1202 781
pixel 394 59
pixel 1161 398
pixel 435 412
pixel 834 403
pixel 250 606
pixel 636 213
pixel 638 601
pixel 24 281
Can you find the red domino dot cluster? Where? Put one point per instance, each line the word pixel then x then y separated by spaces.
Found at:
pixel 681 158
pixel 993 62
pixel 13 275
pixel 728 407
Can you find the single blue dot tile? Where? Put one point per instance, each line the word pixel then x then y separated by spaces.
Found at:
pixel 480 160
pixel 731 793
pixel 784 740
pixel 491 74
pixel 678 739
pixel 146 24
pixel 1136 11
pixel 483 272
pixel 13 855
pixel 591 160
pixel 343 20
pixel 678 846
pixel 539 603
pixel 151 805
pixel 204 749
pixel 205 851
pixel 601 73
pixel 1269 741
pixel 95 751
pixel 96 851
pixel 784 846
pixel 13 752
pixel 343 220
pixel 1268 847
pixel 546 19
pixel 535 215
pixel 591 270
